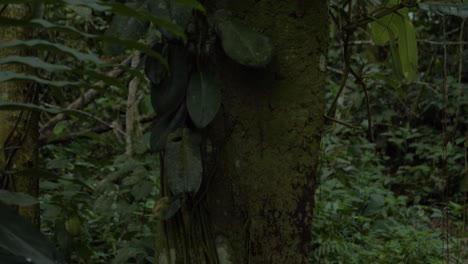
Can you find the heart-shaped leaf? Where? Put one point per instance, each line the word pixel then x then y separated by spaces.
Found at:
pixel 203 98
pixel 241 43
pixel 182 164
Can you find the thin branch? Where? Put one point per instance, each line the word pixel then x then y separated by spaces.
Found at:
pixel 89 96
pixel 341 122
pixel 98 130
pixel 132 110
pixel 351 27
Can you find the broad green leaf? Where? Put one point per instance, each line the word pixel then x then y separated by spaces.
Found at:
pixel 396 62
pixel 203 98
pixel 397 26
pixel 167 207
pixel 15 198
pixel 165 125
pixel 241 43
pixel 34 62
pixel 43 44
pixel 182 163
pixel 167 96
pixel 408 51
pixel 12 76
pixel 18 237
pixel 450 9
pixel 381 27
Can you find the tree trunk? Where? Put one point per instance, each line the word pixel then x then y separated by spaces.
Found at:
pixel 265 141
pixel 18 133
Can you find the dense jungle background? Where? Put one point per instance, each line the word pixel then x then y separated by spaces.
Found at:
pixel 392 173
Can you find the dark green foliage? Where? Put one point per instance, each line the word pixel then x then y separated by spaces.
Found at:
pixel 442 8
pixel 203 98
pixel 154 69
pixel 21 241
pixel 385 201
pixel 358 219
pixel 182 162
pixel 165 125
pixel 166 207
pixel 14 198
pixel 167 95
pixel 111 195
pixel 125 28
pixel 172 11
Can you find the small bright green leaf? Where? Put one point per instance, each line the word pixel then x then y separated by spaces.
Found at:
pixel 165 125
pixel 203 98
pixel 34 62
pixel 18 237
pixel 43 44
pixel 241 43
pixel 182 164
pixel 13 76
pixel 15 198
pixel 450 9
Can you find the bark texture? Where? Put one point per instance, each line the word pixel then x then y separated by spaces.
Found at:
pixel 266 138
pixel 18 133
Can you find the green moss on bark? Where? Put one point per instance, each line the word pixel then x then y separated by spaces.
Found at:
pixel 18 135
pixel 274 125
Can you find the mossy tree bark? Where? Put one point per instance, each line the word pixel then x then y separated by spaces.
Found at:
pixel 266 139
pixel 18 133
